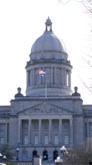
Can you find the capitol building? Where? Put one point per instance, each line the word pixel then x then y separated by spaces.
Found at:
pixel 51 114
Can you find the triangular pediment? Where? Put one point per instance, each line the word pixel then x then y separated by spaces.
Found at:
pixel 45 108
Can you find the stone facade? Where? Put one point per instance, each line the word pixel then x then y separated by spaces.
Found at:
pixel 50 115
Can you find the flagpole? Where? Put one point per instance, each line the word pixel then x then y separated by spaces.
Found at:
pixel 45 86
pixel 43 74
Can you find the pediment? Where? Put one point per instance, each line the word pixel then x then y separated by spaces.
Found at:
pixel 45 108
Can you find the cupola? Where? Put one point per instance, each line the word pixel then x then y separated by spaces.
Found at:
pixel 49 57
pixel 48 45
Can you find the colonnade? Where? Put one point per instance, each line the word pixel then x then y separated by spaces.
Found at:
pixel 88 129
pixel 50 130
pixel 61 77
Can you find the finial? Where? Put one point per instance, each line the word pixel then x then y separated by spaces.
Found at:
pixel 19 90
pixel 48 24
pixel 19 94
pixel 76 91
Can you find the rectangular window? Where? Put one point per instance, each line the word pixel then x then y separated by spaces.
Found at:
pixel 36 126
pixel 90 129
pixel 56 140
pixel 66 125
pixel 2 140
pixel 67 78
pixel 36 139
pixel 66 139
pixel 46 139
pixel 2 127
pixel 25 139
pixel 55 125
pixel 25 125
pixel 25 132
pixel 46 125
pixel 36 76
pixel 28 78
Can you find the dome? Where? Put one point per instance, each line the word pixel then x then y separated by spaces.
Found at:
pixel 48 41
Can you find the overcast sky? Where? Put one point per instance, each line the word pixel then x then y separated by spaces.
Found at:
pixel 22 22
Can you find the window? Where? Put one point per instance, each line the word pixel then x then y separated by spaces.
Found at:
pixel 36 76
pixel 56 139
pixel 56 125
pixel 25 132
pixel 25 139
pixel 46 125
pixel 36 125
pixel 66 140
pixel 28 78
pixel 25 125
pixel 46 139
pixel 66 125
pixel 24 154
pixel 1 140
pixel 2 127
pixel 90 129
pixel 36 139
pixel 67 78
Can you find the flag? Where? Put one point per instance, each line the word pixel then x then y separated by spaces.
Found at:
pixel 42 73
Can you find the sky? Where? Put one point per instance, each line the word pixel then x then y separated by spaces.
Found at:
pixel 22 22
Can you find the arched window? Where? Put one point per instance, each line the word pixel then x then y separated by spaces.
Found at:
pixel 45 155
pixel 55 154
pixel 34 153
pixel 24 154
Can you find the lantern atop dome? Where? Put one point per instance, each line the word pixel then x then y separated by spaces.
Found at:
pixel 48 24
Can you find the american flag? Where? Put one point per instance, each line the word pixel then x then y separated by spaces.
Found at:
pixel 42 73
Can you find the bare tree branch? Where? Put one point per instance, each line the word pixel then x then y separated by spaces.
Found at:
pixel 80 155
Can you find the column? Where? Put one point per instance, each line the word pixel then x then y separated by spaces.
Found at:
pixel 51 76
pixel 69 79
pixel 60 131
pixel 33 76
pixel 29 131
pixel 40 78
pixel 65 77
pixel 87 129
pixel 39 131
pixel 31 83
pixel 19 131
pixel 50 130
pixel 55 76
pixel 62 77
pixel 6 132
pixel 71 132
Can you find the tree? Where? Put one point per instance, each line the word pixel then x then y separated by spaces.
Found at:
pixel 5 150
pixel 80 155
pixel 87 3
pixel 87 57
